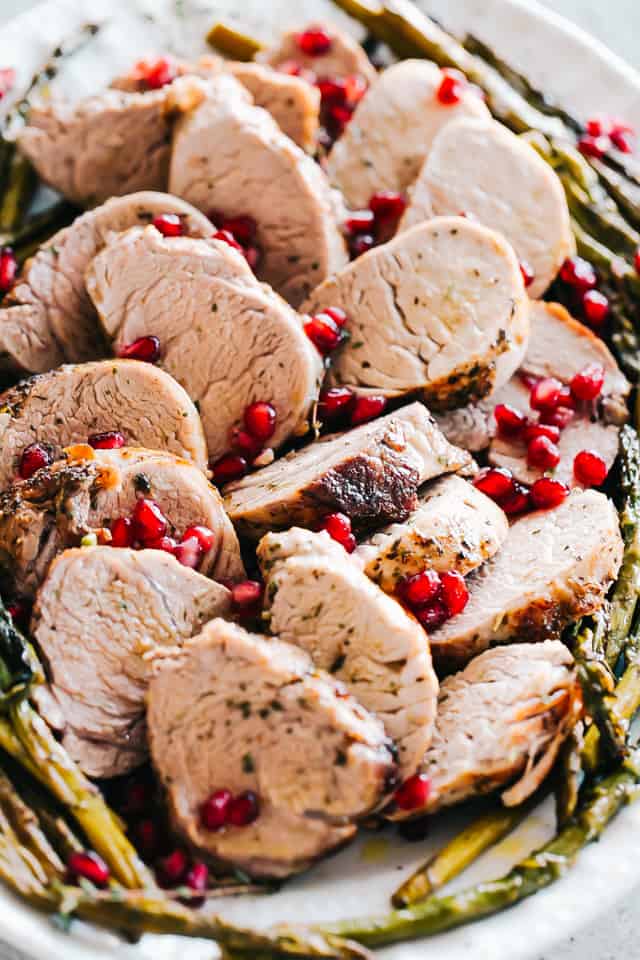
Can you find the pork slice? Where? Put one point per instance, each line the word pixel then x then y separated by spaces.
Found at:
pixel 454 527
pixel 344 56
pixel 82 494
pixel 241 712
pixel 477 166
pixel 48 317
pixel 224 336
pixel 371 473
pixel 75 401
pixel 554 567
pixel 501 722
pixel 392 131
pixel 431 312
pixel 230 156
pixel 320 600
pixel 98 617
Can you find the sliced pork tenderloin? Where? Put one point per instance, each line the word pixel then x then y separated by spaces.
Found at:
pixel 501 722
pixel 343 56
pixel 84 493
pixel 477 166
pixel 47 317
pixel 76 401
pixel 230 156
pixel 98 617
pixel 319 599
pixel 454 527
pixel 228 339
pixel 554 567
pixel 392 131
pixel 239 712
pixel 431 311
pixel 371 473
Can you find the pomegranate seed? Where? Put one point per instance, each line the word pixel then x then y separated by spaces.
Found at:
pixel 137 799
pixel 121 532
pixel 543 453
pixel 518 502
pixel 623 140
pixel 421 588
pixel 246 594
pixel 559 417
pixel 593 146
pixel 455 594
pixel 88 866
pixel 413 793
pixel 596 307
pixel 528 273
pixel 144 348
pixel 338 526
pixel 545 395
pixel 588 384
pixel 452 87
pixel 146 838
pixel 7 80
pixel 158 73
pixel 243 228
pixel 8 269
pixel 169 224
pixel 361 221
pixel 589 469
pixel 149 522
pixel 323 332
pixel 546 493
pixel 510 421
pixel 205 537
pixel 334 401
pixel 188 552
pixel 367 408
pixel 433 615
pixel 338 315
pixel 356 86
pixel 535 430
pixel 314 42
pixel 197 879
pixel 110 440
pixel 229 467
pixel 387 205
pixel 332 89
pixel 579 273
pixel 496 482
pixel 361 244
pixel 33 458
pixel 596 127
pixel 173 868
pixel 244 809
pixel 227 237
pixel 166 544
pixel 636 260
pixel 214 812
pixel 247 445
pixel 260 420
pixel 340 115
pixel 16 611
pixel 253 256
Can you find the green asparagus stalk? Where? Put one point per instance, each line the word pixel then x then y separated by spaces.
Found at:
pixel 19 192
pixel 41 226
pixel 568 776
pixel 624 600
pixel 625 192
pixel 232 43
pixel 27 829
pixel 627 704
pixel 534 873
pixel 598 684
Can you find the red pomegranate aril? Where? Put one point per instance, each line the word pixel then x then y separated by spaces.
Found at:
pixel 636 260
pixel 205 537
pixel 197 879
pixel 166 544
pixel 518 502
pixel 173 868
pixel 596 307
pixel 314 41
pixel 158 73
pixel 413 793
pixel 543 453
pixel 337 314
pixel 229 467
pixel 593 146
pixel 451 88
pixel 334 401
pixel 589 469
pixel 340 115
pixel 545 394
pixel 227 237
pixel 144 348
pixel 17 611
pixel 433 615
pixel 246 594
pixel 420 589
pixel 110 440
pixel 169 224
pixel 597 127
pixel 7 80
pixel 455 594
pixel 149 522
pixel 559 417
pixel 87 865
pixel 260 420
pixel 356 86
pixel 188 552
pixel 496 482
pixel 214 812
pixel 8 269
pixel 361 244
pixel 122 532
pixel 33 458
pixel 146 838
pixel 244 809
pixel 360 221
pixel 588 384
pixel 323 332
pixel 338 526
pixel 579 273
pixel 510 421
pixel 547 493
pixel 137 799
pixel 332 89
pixel 528 273
pixel 253 256
pixel 243 228
pixel 623 140
pixel 388 205
pixel 247 445
pixel 367 408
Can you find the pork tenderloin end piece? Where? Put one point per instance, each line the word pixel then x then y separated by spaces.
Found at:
pixel 454 527
pixel 501 722
pixel 477 166
pixel 392 131
pixel 431 312
pixel 371 473
pixel 224 336
pixel 71 403
pixel 315 759
pixel 344 56
pixel 319 599
pixel 99 616
pixel 554 567
pixel 293 103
